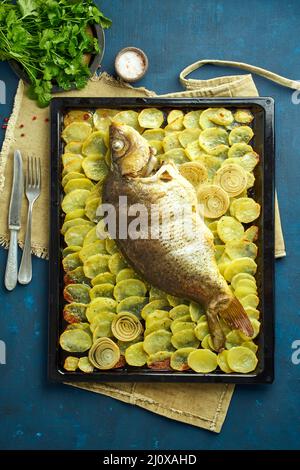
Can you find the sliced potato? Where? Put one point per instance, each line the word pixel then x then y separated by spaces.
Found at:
pixel 104 278
pixel 205 118
pixel 159 360
pixel 179 311
pixel 223 362
pixel 244 116
pixel 245 209
pixel 76 276
pixel 239 150
pixel 159 340
pixel 96 144
pixel 133 304
pixel 177 156
pixel 233 339
pixel 130 118
pixel 242 360
pixel 162 324
pixel 98 305
pixel 241 134
pixel 72 158
pixel 73 222
pixel 202 361
pixel 129 288
pixel 154 134
pixel 71 363
pixel 95 168
pixel 181 325
pixel 179 359
pixel 95 265
pixel 103 118
pixel 68 250
pixel 185 339
pixel 156 294
pixel 174 114
pixel 76 234
pixel 188 136
pixel 151 118
pixel 103 317
pixel 196 311
pixel 78 183
pixel 102 290
pixel 240 249
pixel 74 200
pixel 171 141
pixel 77 132
pixel 116 263
pixel 252 312
pixel 77 115
pixel 229 229
pixel 176 125
pixel 71 261
pixel 71 175
pixel 201 330
pixel 77 293
pixel 73 147
pixel 191 119
pixel 91 207
pixel 75 341
pixel 126 273
pixel 213 201
pixel 174 301
pixel 135 355
pixel 75 312
pixel 222 117
pixel 91 237
pixel 194 151
pixel 240 265
pixel 157 145
pixel 240 276
pixel 211 139
pixel 250 300
pixel 85 365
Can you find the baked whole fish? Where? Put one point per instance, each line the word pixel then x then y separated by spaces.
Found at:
pixel 183 263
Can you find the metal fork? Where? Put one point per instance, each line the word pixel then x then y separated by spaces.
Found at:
pixel 32 191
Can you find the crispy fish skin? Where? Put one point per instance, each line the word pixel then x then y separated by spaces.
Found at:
pixel 184 264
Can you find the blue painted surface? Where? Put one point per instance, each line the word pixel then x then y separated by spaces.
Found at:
pixel 37 415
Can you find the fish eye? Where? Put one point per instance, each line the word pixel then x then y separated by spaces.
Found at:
pixel 118 145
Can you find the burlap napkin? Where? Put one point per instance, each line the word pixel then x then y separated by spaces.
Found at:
pixel 203 405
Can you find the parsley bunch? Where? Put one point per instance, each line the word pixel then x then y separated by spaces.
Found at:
pixel 49 38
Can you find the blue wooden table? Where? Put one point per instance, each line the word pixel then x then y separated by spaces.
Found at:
pixel 37 415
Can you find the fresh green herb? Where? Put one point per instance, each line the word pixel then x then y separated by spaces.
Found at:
pixel 49 39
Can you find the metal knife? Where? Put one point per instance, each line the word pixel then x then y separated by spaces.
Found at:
pixel 14 222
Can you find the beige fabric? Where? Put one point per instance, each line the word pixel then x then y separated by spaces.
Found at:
pixel 203 405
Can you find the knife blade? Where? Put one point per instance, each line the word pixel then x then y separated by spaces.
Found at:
pixel 14 215
pixel 14 222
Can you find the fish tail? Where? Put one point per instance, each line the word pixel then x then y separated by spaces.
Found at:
pixel 236 317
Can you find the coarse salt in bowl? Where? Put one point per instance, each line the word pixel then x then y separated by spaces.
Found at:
pixel 131 64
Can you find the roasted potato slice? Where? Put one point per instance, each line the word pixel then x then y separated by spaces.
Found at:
pixel 179 359
pixel 129 288
pixel 95 168
pixel 241 360
pixel 104 278
pixel 95 144
pixel 133 304
pixel 95 265
pixel 159 340
pixel 98 305
pixel 243 116
pixel 159 360
pixel 75 341
pixel 77 115
pixel 229 229
pixel 130 118
pixel 241 134
pixel 77 132
pixel 191 119
pixel 75 312
pixel 202 361
pixel 135 355
pixel 211 139
pixel 76 234
pixel 74 200
pixel 240 265
pixel 77 293
pixel 151 118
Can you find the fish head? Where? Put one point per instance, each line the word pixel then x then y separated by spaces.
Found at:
pixel 131 154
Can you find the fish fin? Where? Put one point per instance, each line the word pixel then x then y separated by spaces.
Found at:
pixel 215 329
pixel 236 317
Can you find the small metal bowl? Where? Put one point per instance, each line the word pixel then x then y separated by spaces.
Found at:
pixel 145 60
pixel 94 61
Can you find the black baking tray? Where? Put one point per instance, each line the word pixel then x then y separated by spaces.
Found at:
pixel 263 143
